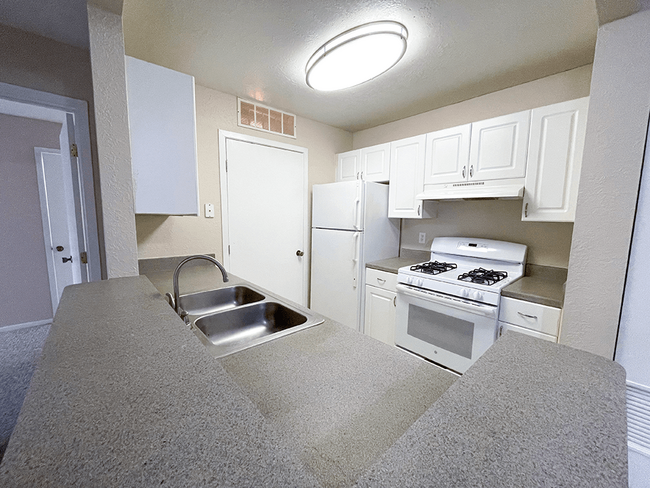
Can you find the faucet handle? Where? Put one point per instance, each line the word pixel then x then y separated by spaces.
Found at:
pixel 170 299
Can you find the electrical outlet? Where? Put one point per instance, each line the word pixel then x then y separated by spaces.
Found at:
pixel 423 238
pixel 209 211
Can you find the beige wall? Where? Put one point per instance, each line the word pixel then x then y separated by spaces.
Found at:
pixel 161 236
pixel 614 147
pixel 35 62
pixel 113 142
pixel 549 243
pixel 24 283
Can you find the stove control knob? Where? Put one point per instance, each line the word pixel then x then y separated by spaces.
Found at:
pixel 477 295
pixel 420 282
pixel 464 292
pixel 409 280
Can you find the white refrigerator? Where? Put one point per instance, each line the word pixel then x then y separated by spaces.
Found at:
pixel 350 227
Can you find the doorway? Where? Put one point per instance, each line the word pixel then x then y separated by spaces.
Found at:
pixel 265 210
pixel 74 184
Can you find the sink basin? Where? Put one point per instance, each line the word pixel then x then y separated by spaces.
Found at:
pixel 233 330
pixel 222 299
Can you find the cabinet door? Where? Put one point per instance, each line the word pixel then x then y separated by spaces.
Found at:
pixel 406 177
pixel 375 163
pixel 380 314
pixel 498 147
pixel 447 155
pixel 348 167
pixel 557 138
pixel 162 123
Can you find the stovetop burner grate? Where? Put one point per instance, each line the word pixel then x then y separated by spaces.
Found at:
pixel 483 276
pixel 433 267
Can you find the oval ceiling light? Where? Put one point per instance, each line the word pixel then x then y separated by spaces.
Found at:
pixel 357 55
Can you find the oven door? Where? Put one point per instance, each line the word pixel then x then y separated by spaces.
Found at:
pixel 447 330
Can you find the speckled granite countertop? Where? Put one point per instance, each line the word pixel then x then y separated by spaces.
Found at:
pixel 126 395
pixel 542 284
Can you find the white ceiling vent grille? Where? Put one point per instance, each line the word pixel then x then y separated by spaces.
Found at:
pixel 267 119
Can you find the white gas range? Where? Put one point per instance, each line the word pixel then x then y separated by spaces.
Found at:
pixel 448 307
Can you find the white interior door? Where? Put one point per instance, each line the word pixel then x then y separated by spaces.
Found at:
pixel 266 216
pixel 59 221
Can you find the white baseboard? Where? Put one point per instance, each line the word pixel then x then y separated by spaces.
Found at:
pixel 7 328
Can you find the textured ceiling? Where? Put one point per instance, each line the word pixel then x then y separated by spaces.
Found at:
pixel 62 20
pixel 257 49
pixel 458 49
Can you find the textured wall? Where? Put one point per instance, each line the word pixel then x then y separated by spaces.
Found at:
pixel 160 236
pixel 113 142
pixel 609 183
pixel 549 243
pixel 24 282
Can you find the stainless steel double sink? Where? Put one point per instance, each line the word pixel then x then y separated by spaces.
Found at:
pixel 234 318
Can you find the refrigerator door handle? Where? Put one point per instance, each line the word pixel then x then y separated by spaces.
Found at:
pixel 357 208
pixel 355 259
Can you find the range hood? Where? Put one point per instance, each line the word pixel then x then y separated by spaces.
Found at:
pixel 511 189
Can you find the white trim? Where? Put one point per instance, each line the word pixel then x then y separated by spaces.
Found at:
pixel 41 105
pixel 223 137
pixel 9 328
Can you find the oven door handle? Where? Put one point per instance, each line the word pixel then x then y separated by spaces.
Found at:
pixel 475 308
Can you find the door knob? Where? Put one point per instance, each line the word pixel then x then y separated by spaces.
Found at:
pixel 299 253
pixel 59 248
pixel 65 260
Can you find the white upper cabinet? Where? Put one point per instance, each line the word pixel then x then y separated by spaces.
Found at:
pixel 369 164
pixel 447 155
pixel 554 161
pixel 498 147
pixel 162 123
pixel 348 167
pixel 375 163
pixel 406 178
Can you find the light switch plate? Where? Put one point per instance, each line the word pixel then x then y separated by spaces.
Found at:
pixel 209 211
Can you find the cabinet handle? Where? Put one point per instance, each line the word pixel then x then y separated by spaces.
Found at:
pixel 381 281
pixel 419 210
pixel 526 316
pixel 463 171
pixel 395 301
pixel 526 210
pixel 357 175
pixel 471 171
pixel 362 175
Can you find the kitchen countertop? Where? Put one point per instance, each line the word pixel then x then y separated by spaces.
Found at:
pixel 392 265
pixel 542 284
pixel 126 395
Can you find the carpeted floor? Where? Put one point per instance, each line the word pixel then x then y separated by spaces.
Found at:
pixel 19 353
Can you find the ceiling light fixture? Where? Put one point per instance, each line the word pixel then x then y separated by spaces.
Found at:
pixel 357 55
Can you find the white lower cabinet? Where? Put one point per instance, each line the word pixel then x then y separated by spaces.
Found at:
pixel 529 318
pixel 380 305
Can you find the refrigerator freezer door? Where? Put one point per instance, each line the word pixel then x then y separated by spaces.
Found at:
pixel 338 205
pixel 335 275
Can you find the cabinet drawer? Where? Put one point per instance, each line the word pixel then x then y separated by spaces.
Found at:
pixel 505 326
pixel 381 279
pixel 530 315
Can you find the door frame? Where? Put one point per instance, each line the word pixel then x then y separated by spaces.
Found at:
pixel 224 136
pixel 35 104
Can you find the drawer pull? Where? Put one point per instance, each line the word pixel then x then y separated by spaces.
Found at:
pixel 534 317
pixel 381 281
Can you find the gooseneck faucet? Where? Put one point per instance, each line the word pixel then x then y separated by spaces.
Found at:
pixel 177 271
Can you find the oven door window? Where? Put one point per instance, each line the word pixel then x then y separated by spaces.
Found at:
pixel 448 333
